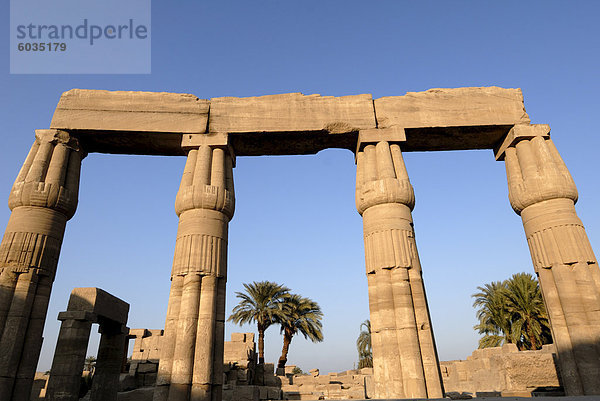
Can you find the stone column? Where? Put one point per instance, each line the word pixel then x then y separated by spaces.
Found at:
pixel 191 361
pixel 543 193
pixel 405 363
pixel 69 356
pixel 43 198
pixel 109 361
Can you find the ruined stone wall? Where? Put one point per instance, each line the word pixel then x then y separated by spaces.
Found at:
pixel 501 370
pixel 504 370
pixel 348 385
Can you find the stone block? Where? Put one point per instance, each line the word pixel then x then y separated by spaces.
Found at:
pixel 272 381
pixel 138 333
pixel 246 393
pixel 100 302
pixel 273 393
pixel 291 112
pixel 289 369
pixel 366 371
pixel 452 107
pixel 149 379
pixel 102 110
pixel 127 382
pixel 147 367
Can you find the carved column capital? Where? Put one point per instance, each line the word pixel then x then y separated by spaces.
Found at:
pixel 207 181
pixel 49 177
pixel 381 177
pixel 536 173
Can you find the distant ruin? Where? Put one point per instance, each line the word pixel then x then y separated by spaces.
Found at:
pixel 211 133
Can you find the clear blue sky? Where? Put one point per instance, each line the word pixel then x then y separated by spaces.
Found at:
pixel 296 222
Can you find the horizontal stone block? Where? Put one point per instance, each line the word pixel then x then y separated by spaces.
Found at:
pixel 452 107
pixel 453 119
pixel 103 110
pixel 100 302
pixel 291 112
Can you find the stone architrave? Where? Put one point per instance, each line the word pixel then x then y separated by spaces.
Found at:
pixel 43 198
pixel 191 360
pixel 542 192
pixel 405 361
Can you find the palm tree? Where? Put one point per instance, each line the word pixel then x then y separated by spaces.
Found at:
pixel 300 315
pixel 363 344
pixel 493 316
pixel 261 303
pixel 90 364
pixel 529 318
pixel 512 311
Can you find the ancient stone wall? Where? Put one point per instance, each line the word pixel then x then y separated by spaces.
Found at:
pixel 504 370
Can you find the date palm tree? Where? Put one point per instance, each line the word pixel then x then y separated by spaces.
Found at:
pixel 529 318
pixel 300 315
pixel 261 303
pixel 494 318
pixel 363 344
pixel 512 311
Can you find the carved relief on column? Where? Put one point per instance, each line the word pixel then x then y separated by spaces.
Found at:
pixel 542 192
pixel 403 345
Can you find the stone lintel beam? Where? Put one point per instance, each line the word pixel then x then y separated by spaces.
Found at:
pixel 518 133
pixel 131 122
pixel 156 123
pixel 99 302
pixel 78 315
pixel 141 333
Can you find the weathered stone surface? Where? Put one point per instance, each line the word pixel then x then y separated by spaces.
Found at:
pixel 293 123
pixel 88 305
pixel 43 197
pixel 291 112
pixel 100 302
pixel 131 122
pixel 543 193
pixel 102 110
pixel 401 333
pixel 501 369
pixel 453 119
pixel 453 107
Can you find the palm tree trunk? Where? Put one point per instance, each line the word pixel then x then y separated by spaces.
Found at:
pixel 287 339
pixel 261 345
pixel 532 339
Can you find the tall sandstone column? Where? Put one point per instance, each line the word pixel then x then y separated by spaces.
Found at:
pixel 191 362
pixel 543 193
pixel 405 362
pixel 43 198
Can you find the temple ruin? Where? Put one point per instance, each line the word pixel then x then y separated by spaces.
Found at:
pixel 211 134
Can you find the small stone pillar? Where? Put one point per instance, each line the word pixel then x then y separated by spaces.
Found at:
pixel 191 362
pixel 109 361
pixel 542 192
pixel 69 356
pixel 405 363
pixel 43 198
pixel 87 306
